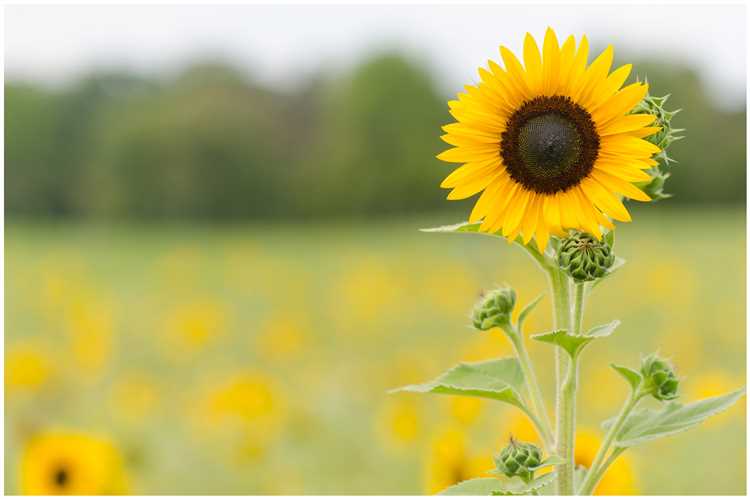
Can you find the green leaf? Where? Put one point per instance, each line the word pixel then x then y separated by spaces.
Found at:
pixel 527 310
pixel 498 379
pixel 474 487
pixel 575 343
pixel 550 461
pixel 517 487
pixel 462 227
pixel 604 330
pixel 632 376
pixel 648 424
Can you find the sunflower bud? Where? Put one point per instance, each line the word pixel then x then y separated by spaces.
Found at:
pixel 659 378
pixel 584 258
pixel 494 308
pixel 663 138
pixel 519 459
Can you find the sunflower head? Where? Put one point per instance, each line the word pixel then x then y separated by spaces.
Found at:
pixel 62 463
pixel 551 144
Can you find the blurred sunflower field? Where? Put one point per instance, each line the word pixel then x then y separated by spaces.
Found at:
pixel 256 358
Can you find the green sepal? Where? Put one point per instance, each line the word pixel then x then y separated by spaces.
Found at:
pixel 633 377
pixel 574 344
pixel 609 237
pixel 527 310
pixel 497 379
pixel 644 425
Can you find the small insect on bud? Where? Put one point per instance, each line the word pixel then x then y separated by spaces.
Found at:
pixel 519 459
pixel 584 258
pixel 494 308
pixel 659 378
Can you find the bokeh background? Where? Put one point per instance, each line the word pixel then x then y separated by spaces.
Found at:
pixel 212 259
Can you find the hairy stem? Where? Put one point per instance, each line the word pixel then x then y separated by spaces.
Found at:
pixel 599 466
pixel 560 285
pixel 566 418
pixel 537 400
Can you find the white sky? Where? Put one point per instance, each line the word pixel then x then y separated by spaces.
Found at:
pixel 277 44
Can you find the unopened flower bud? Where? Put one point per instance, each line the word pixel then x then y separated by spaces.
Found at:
pixel 519 459
pixel 666 135
pixel 659 378
pixel 583 257
pixel 494 308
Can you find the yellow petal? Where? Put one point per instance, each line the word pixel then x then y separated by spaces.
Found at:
pixel 531 217
pixel 566 60
pixel 602 92
pixel 593 75
pixel 499 208
pixel 551 63
pixel 618 185
pixel 533 64
pixel 487 199
pixel 626 123
pixel 470 154
pixel 620 103
pixel 470 188
pixel 605 200
pixel 541 236
pixel 628 144
pixel 515 70
pixel 578 67
pixel 622 170
pixel 469 172
pixel 516 212
pixel 588 219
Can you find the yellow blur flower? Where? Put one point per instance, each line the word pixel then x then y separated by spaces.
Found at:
pixel 712 384
pixel 620 478
pixel 27 368
pixel 465 410
pixel 451 460
pixel 192 327
pixel 550 144
pixel 399 422
pixel 57 463
pixel 283 338
pixel 90 330
pixel 134 396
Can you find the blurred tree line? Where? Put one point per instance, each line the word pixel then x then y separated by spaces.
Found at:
pixel 210 143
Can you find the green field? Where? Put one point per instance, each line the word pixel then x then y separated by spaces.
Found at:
pixel 256 359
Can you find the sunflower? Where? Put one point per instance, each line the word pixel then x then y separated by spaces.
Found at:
pixel 551 145
pixel 62 463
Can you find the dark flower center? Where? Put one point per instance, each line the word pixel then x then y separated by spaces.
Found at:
pixel 60 477
pixel 550 144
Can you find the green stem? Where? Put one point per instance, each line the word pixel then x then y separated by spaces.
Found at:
pixel 559 283
pixel 599 466
pixel 537 400
pixel 578 308
pixel 567 425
